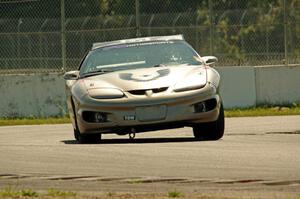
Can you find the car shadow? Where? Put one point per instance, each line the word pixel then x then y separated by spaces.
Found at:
pixel 140 140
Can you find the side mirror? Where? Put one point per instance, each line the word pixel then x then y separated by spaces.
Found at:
pixel 210 60
pixel 71 75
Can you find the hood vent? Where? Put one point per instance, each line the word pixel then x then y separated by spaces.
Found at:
pixel 143 91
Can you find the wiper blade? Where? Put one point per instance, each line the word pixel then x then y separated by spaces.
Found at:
pixel 96 72
pixel 171 64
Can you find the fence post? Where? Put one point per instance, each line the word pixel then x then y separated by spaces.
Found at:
pixel 63 35
pixel 286 58
pixel 137 18
pixel 211 28
pixel 20 21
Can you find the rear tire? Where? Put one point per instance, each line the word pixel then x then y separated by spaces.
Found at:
pixel 210 130
pixel 88 138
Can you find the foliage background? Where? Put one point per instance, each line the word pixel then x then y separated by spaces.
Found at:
pixel 238 32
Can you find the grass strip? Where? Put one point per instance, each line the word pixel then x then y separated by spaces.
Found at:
pixel 263 111
pixel 175 194
pixel 33 121
pixel 13 193
pixel 238 112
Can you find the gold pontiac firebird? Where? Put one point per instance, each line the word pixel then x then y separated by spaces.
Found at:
pixel 144 84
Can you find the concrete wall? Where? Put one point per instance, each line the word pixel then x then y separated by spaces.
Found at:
pixel 42 95
pixel 277 85
pixel 39 95
pixel 237 86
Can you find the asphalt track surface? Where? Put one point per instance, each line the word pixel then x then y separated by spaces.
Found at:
pixel 259 155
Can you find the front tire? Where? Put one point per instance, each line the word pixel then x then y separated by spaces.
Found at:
pixel 210 130
pixel 87 138
pixel 80 138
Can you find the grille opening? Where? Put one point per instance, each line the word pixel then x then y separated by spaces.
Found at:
pixel 138 92
pixel 143 91
pixel 205 106
pixel 158 90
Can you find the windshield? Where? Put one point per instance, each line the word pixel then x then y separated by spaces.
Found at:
pixel 139 55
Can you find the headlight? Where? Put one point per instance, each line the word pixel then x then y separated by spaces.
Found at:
pixel 191 82
pixel 105 93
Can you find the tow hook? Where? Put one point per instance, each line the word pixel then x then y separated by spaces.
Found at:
pixel 132 134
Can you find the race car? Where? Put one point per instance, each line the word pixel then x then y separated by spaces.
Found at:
pixel 144 84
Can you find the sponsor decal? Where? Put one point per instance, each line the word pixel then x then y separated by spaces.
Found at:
pixel 143 43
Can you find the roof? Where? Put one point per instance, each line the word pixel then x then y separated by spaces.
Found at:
pixel 136 40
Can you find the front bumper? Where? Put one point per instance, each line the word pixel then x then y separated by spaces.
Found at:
pixel 156 112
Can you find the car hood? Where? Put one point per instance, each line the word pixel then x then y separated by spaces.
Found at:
pixel 145 78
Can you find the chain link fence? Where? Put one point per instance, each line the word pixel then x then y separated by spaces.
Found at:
pixel 52 36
